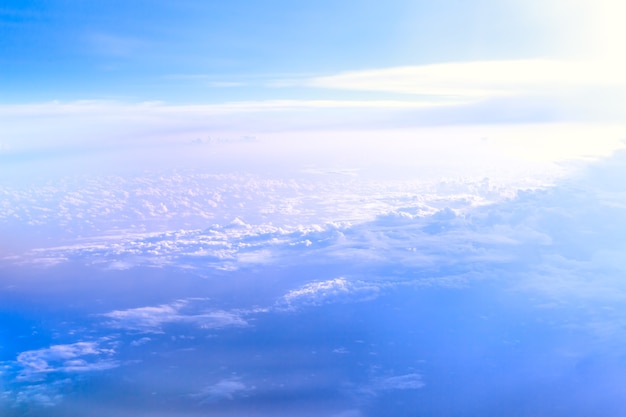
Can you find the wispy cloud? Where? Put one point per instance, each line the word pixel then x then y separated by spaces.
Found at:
pixel 45 394
pixel 41 376
pixel 226 389
pixel 400 382
pixel 70 358
pixel 151 319
pixel 329 291
pixel 478 79
pixel 384 384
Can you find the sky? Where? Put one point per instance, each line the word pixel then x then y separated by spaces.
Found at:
pixel 102 76
pixel 330 208
pixel 193 51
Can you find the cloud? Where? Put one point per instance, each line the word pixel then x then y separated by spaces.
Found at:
pixel 71 358
pixel 329 291
pixel 120 223
pixel 446 233
pixel 40 377
pixel 152 319
pixel 226 389
pixel 383 385
pixel 446 230
pixel 46 395
pixel 140 341
pixel 562 244
pixel 478 79
pixel 402 382
pixel 497 91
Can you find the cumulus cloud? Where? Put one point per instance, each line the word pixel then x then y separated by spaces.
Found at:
pixel 46 395
pixel 70 358
pixel 145 317
pixel 111 217
pixel 432 228
pixel 151 319
pixel 329 291
pixel 560 243
pixel 41 377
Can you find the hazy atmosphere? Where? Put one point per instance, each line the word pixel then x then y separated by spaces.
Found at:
pixel 335 208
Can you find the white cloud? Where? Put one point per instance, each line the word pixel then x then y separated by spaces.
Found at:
pixel 381 385
pixel 480 79
pixel 70 358
pixel 117 243
pixel 140 341
pixel 145 318
pixel 151 319
pixel 401 382
pixel 329 291
pixel 226 389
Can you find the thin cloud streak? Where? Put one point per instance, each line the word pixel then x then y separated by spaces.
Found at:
pixel 479 79
pixel 151 319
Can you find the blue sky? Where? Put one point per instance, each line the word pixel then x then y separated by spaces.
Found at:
pixel 144 50
pixel 190 52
